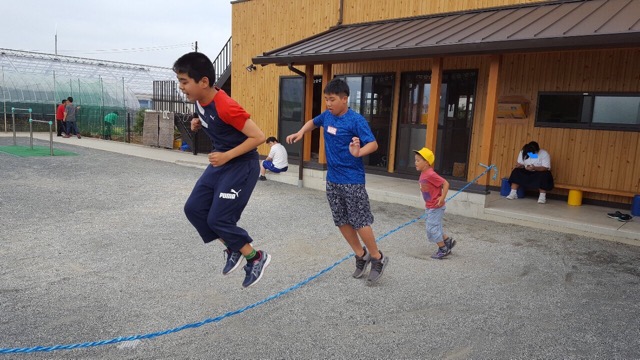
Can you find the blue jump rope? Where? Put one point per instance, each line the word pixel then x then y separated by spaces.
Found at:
pixel 230 313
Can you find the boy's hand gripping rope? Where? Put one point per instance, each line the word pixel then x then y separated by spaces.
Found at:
pixel 230 313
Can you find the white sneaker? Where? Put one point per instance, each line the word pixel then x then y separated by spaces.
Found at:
pixel 512 196
pixel 542 200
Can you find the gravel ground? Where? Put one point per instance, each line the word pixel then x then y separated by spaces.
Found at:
pixel 96 246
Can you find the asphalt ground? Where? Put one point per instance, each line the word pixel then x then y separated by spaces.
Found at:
pixel 96 246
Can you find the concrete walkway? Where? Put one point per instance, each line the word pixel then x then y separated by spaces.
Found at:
pixel 587 220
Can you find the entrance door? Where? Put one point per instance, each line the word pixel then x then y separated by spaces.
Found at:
pixel 455 121
pixel 412 122
pixel 291 113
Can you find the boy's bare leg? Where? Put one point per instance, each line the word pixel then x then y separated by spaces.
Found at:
pixel 245 250
pixel 351 236
pixel 369 240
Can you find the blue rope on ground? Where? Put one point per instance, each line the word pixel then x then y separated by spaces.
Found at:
pixel 230 313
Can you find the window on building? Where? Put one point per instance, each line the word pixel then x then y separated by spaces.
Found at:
pixel 589 111
pixel 372 97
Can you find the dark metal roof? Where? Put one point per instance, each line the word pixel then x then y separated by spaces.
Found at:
pixel 554 25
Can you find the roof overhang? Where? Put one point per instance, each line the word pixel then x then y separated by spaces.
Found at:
pixel 548 26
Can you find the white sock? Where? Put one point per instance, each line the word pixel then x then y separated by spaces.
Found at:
pixel 543 196
pixel 513 192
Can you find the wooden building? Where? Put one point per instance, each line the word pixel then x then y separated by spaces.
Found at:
pixel 472 79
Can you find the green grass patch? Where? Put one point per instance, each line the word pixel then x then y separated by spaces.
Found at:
pixel 27 151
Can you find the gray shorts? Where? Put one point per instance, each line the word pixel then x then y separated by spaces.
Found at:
pixel 349 204
pixel 434 224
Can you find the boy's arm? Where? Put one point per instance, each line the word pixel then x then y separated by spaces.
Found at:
pixel 445 190
pixel 357 151
pixel 308 126
pixel 65 115
pixel 255 137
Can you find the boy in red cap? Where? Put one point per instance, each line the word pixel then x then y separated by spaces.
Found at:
pixel 434 191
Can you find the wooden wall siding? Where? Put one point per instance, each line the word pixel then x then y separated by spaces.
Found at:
pixel 263 25
pixel 599 159
pixel 605 159
pixel 356 11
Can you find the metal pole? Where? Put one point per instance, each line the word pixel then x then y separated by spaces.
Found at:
pixel 77 114
pixel 102 107
pixel 128 138
pixel 51 137
pixel 55 96
pixel 31 132
pixel 124 101
pixel 13 124
pixel 4 101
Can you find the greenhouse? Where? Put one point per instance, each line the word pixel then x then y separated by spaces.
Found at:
pixel 33 85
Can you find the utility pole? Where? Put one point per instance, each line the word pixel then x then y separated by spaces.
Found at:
pixel 196 46
pixel 56 39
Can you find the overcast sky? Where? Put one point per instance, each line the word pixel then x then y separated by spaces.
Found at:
pixel 136 31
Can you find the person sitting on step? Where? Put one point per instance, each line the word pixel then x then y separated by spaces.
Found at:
pixel 532 171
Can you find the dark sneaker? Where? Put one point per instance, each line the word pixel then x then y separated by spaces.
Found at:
pixel 255 269
pixel 450 242
pixel 440 253
pixel 262 178
pixel 625 217
pixel 233 260
pixel 616 215
pixel 361 264
pixel 377 268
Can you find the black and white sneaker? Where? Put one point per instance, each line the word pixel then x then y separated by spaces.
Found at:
pixel 361 264
pixel 450 242
pixel 615 215
pixel 377 268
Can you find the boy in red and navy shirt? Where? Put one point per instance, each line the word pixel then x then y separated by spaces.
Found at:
pixel 434 191
pixel 222 192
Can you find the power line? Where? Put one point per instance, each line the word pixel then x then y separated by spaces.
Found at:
pixel 124 50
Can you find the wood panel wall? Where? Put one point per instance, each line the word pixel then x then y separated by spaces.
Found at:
pixel 259 26
pixel 591 158
pixel 601 159
pixel 356 11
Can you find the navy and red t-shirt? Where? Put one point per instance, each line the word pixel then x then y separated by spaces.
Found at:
pixel 223 120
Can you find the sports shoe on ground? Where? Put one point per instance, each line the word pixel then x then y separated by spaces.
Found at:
pixel 255 269
pixel 450 243
pixel 361 264
pixel 616 215
pixel 512 196
pixel 233 260
pixel 542 200
pixel 79 137
pixel 625 217
pixel 377 268
pixel 439 254
pixel 262 178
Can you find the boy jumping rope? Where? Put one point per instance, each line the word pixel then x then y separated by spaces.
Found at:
pixel 222 192
pixel 347 138
pixel 434 192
